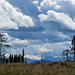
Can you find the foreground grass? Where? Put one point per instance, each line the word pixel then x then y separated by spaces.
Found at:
pixel 52 68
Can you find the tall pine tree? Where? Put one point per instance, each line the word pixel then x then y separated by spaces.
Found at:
pixel 2 46
pixel 23 56
pixel 73 47
pixel 65 53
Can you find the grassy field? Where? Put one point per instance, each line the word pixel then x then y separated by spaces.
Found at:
pixel 51 68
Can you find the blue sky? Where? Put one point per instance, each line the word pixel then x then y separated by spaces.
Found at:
pixel 45 26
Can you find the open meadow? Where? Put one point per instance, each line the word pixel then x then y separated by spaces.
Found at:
pixel 51 68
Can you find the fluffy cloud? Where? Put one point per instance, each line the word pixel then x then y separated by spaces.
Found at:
pixel 41 48
pixel 15 41
pixel 35 2
pixel 55 4
pixel 10 18
pixel 62 18
pixel 18 41
pixel 48 4
pixel 33 57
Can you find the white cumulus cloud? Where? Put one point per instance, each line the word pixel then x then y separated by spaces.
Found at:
pixel 48 4
pixel 10 18
pixel 55 4
pixel 61 18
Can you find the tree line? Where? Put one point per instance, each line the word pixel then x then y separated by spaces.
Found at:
pixel 12 58
pixel 67 53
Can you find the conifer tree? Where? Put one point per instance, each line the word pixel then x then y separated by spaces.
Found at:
pixel 73 47
pixel 3 45
pixel 65 53
pixel 19 57
pixel 10 58
pixel 23 56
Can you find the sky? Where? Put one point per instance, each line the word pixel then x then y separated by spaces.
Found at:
pixel 38 26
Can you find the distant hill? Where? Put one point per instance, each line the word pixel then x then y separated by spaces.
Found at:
pixel 54 58
pixel 46 59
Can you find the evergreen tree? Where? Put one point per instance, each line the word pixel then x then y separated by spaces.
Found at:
pixel 2 45
pixel 73 47
pixel 19 57
pixel 14 58
pixel 23 56
pixel 6 60
pixel 65 53
pixel 11 58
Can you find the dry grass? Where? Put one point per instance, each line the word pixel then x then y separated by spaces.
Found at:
pixel 52 68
